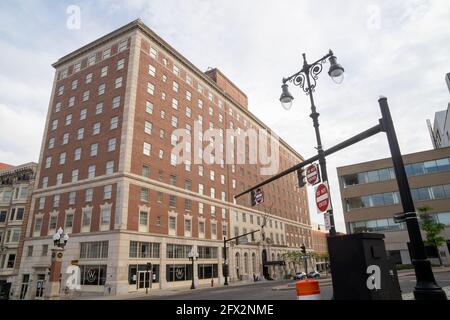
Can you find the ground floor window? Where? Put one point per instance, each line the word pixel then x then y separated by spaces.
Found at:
pixel 178 272
pixel 93 275
pixel 207 271
pixel 135 269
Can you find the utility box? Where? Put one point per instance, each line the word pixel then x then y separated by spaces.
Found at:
pixel 361 269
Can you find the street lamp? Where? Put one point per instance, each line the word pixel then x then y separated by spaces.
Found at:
pixel 193 255
pixel 60 240
pixel 306 79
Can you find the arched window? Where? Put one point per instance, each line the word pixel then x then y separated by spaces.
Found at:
pixel 254 262
pixel 245 263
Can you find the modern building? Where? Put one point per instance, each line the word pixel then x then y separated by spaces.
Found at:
pixel 440 128
pixel 370 198
pixel 109 176
pixel 16 184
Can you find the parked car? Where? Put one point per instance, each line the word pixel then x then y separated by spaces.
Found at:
pixel 300 276
pixel 314 275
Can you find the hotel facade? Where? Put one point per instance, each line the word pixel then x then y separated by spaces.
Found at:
pixel 108 177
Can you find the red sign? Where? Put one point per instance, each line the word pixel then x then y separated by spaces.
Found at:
pixel 323 203
pixel 312 174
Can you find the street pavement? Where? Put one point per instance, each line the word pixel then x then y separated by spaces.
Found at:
pixel 265 290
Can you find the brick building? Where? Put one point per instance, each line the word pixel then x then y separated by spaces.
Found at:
pixel 16 184
pixel 108 177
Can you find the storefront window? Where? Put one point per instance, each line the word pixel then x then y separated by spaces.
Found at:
pixel 178 272
pixel 93 275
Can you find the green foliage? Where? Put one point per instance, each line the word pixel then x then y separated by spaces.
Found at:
pixel 432 228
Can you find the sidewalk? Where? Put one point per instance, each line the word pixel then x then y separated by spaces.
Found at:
pixel 410 272
pixel 168 291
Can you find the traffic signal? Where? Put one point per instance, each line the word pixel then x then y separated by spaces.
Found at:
pixel 303 249
pixel 301 177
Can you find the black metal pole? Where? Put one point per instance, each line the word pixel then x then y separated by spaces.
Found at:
pixel 426 287
pixel 192 285
pixel 225 264
pixel 322 161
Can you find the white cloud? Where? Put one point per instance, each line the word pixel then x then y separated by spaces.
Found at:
pixel 256 43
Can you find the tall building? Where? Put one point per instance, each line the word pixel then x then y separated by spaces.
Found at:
pixel 109 177
pixel 370 198
pixel 440 128
pixel 319 246
pixel 16 184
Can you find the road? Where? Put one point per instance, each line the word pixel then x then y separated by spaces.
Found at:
pixel 263 291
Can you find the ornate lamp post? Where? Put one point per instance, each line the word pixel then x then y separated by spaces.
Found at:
pixel 59 241
pixel 193 255
pixel 306 79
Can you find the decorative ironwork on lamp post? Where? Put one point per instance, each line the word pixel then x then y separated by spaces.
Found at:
pixel 60 240
pixel 306 79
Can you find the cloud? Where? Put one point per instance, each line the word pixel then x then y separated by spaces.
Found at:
pixel 395 48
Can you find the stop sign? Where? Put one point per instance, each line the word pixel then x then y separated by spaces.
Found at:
pixel 312 174
pixel 323 202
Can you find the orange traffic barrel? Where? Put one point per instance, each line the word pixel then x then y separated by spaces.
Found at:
pixel 307 289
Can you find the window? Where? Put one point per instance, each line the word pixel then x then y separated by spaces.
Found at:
pixel 88 78
pixel 107 53
pixel 173 159
pixel 123 45
pixel 153 53
pixel 77 154
pixel 143 218
pixel 112 144
pixel 41 203
pixel 83 113
pixel 101 89
pixel 11 261
pixel 99 108
pixel 147 148
pixel 105 217
pixel 59 178
pixel 172 223
pixel 56 198
pixel 146 171
pixel 163 114
pixel 72 197
pixel 144 250
pixel 175 86
pixel 200 170
pixel 44 250
pixel 148 127
pixel 187 225
pixel 86 218
pixel 109 167
pixel 55 124
pixel 201 227
pixel 107 192
pixel 58 107
pixel 172 201
pixel 161 153
pixel 77 67
pixel 188 112
pixel 88 195
pixel 120 64
pixel 174 121
pixel 48 162
pixel 65 139
pixel 69 220
pixel 75 175
pixel 91 60
pixel 200 104
pixel 80 133
pixel 91 172
pixel 143 195
pixel 51 143
pixel 188 79
pixel 118 83
pixel 200 208
pixel 104 72
pixel 93 275
pixel 96 128
pixel 60 90
pixel 94 250
pixel 213 230
pixel 62 158
pixel 151 70
pixel 68 119
pixel 200 188
pixel 149 107
pixel 71 102
pixel 94 149
pixel 175 104
pixel 176 70
pixel 150 88
pixel 86 95
pixel 116 102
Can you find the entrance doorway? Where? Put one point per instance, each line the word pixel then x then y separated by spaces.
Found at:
pixel 40 285
pixel 265 266
pixel 24 287
pixel 143 279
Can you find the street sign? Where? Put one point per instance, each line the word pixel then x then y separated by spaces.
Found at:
pixel 327 221
pixel 257 196
pixel 312 174
pixel 322 195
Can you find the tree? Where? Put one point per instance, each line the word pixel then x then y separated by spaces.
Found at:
pixel 433 230
pixel 295 257
pixel 322 256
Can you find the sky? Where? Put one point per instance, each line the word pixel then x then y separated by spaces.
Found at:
pixel 399 49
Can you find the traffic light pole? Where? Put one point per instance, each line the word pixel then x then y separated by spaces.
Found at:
pixel 226 264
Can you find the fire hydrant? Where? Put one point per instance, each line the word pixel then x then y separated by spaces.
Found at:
pixel 212 282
